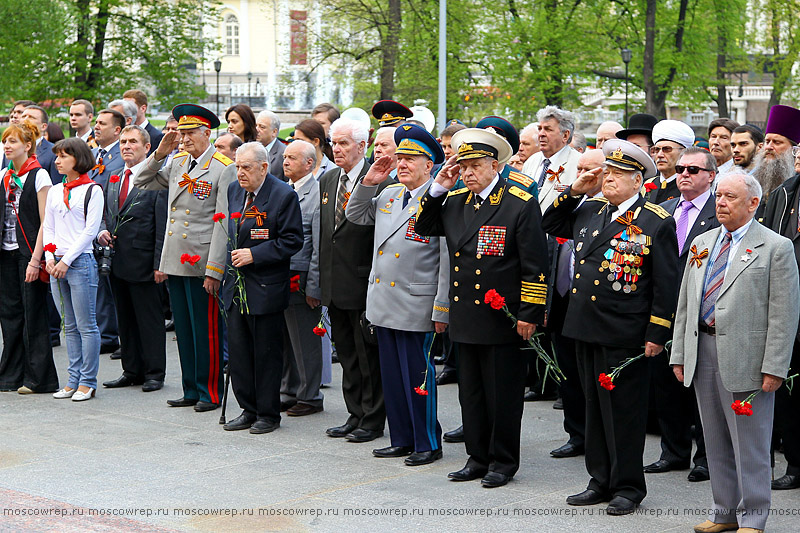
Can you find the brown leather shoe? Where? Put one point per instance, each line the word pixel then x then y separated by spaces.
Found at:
pixel 749 530
pixel 303 409
pixel 712 527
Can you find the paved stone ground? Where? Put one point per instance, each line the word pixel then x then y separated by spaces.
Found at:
pixel 124 461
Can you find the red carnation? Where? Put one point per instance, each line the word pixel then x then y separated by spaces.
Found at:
pixel 50 247
pixel 236 215
pixel 294 283
pixel 650 186
pixel 606 381
pixel 184 258
pixel 218 216
pixel 194 259
pixel 742 408
pixel 114 179
pixel 561 240
pixel 421 390
pixel 320 331
pixel 494 299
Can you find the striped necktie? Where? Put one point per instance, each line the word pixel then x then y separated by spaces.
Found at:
pixel 714 282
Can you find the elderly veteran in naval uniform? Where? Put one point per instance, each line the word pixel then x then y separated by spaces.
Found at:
pixel 623 298
pixel 407 297
pixel 495 241
pixel 734 330
pixel 197 179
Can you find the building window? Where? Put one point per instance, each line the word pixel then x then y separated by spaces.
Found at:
pixel 231 35
pixel 299 49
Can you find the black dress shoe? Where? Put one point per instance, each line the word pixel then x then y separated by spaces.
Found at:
pixel 393 451
pixel 587 497
pixel 117 354
pixel 363 435
pixel 181 402
pixel 495 479
pixel 468 473
pixel 447 376
pixel 285 406
pixel 109 348
pixel 536 396
pixel 662 465
pixel 263 426
pixel 457 435
pixel 243 421
pixel 786 482
pixel 340 431
pixel 303 409
pixel 558 405
pixel 169 325
pixel 423 458
pixel 122 381
pixel 202 407
pixel 567 450
pixel 620 505
pixel 152 385
pixel 699 473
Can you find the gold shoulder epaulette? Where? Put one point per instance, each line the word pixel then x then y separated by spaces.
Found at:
pixel 657 209
pixel 522 179
pixel 519 193
pixel 600 199
pixel 394 185
pixel 459 191
pixel 181 154
pixel 222 158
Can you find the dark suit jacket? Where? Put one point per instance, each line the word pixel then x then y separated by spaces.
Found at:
pixel 597 313
pixel 267 277
pixel 155 137
pixel 664 191
pixel 141 222
pixel 276 160
pixel 113 165
pixel 706 220
pixel 345 255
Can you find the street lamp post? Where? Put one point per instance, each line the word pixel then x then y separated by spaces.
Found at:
pixel 249 90
pixel 258 82
pixel 217 68
pixel 626 58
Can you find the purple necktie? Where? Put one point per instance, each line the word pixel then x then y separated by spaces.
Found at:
pixel 682 227
pixel 563 277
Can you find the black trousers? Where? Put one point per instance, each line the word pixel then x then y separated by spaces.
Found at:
pixel 361 370
pixel 255 362
pixel 787 417
pixel 141 329
pixel 615 420
pixel 491 384
pixel 570 389
pixel 676 409
pixel 27 354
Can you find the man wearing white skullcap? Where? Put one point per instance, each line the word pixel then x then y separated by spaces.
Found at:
pixel 670 138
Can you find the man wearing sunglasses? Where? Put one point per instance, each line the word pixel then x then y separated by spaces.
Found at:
pixel 676 407
pixel 671 138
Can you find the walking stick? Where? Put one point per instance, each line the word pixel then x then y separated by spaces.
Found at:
pixel 225 396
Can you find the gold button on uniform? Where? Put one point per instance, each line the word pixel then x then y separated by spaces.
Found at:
pixel 184 235
pixel 392 284
pixel 477 285
pixel 397 255
pixel 577 276
pixel 477 302
pixel 187 211
pixel 458 254
pixel 478 256
pixel 377 280
pixel 455 284
pixel 597 282
pixel 593 298
pixel 174 208
pixel 170 233
pixel 172 221
pixel 380 252
pixel 186 224
pixel 583 261
pixel 455 268
pixel 455 298
pixel 478 272
pixel 574 291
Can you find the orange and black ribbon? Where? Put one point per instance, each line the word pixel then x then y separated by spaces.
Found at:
pixel 555 175
pixel 99 167
pixel 188 180
pixel 627 219
pixel 253 212
pixel 697 258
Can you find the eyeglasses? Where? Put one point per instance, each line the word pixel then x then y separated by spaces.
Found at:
pixel 795 150
pixel 666 149
pixel 690 169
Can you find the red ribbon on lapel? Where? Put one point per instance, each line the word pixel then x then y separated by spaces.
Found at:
pixel 627 219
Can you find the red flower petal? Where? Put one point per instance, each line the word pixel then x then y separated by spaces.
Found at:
pixel 218 216
pixel 561 240
pixel 420 391
pixel 649 187
pixel 184 258
pixel 236 214
pixel 320 331
pixel 50 247
pixel 114 179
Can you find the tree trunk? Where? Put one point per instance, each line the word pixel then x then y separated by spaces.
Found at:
pixel 389 49
pixel 722 93
pixel 96 66
pixel 81 67
pixel 648 60
pixel 554 90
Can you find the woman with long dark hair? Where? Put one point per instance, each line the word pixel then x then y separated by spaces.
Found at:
pixel 72 219
pixel 241 122
pixel 27 361
pixel 312 131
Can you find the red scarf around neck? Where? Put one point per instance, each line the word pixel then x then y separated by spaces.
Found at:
pixel 68 185
pixel 30 164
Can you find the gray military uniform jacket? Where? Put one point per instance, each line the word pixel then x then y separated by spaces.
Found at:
pixel 194 197
pixel 409 282
pixel 307 259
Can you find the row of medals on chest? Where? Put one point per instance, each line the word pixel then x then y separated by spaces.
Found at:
pixel 624 260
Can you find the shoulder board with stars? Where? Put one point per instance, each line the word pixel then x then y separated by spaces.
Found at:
pixel 601 199
pixel 222 158
pixel 522 179
pixel 519 193
pixel 657 209
pixel 459 191
pixel 394 185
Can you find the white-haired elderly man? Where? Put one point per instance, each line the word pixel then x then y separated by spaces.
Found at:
pixel 384 145
pixel 345 261
pixel 267 127
pixel 127 108
pixel 735 326
pixel 197 179
pixel 605 131
pixel 555 167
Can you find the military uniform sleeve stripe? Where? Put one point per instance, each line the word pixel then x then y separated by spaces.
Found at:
pixel 211 267
pixel 534 300
pixel 660 321
pixel 440 308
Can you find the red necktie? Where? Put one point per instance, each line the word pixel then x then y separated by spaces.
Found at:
pixel 123 190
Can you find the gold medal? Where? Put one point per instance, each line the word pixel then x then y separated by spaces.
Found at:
pixel 605 264
pixel 645 250
pixel 633 286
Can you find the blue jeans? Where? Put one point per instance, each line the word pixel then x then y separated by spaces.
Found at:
pixel 79 292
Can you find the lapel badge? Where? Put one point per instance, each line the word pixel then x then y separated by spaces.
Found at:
pixel 702 222
pixel 746 257
pixel 595 233
pixel 579 246
pixel 324 198
pixel 582 232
